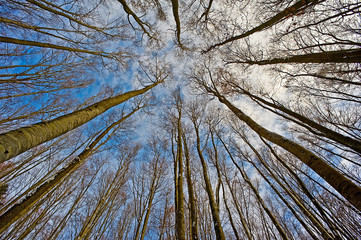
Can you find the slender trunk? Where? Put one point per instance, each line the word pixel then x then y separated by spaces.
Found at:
pixel 175 6
pixel 20 140
pixel 260 200
pixel 326 132
pixel 340 183
pixel 216 164
pixel 180 228
pixel 152 190
pixel 292 10
pixel 53 46
pixel 175 172
pixel 192 202
pixel 62 224
pixel 341 56
pixel 298 201
pixel 303 208
pixel 136 18
pixel 212 202
pixel 243 220
pixel 21 208
pixel 164 219
pixel 103 202
pixel 229 214
pixel 305 225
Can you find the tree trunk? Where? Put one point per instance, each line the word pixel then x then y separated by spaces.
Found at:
pixel 326 132
pixel 292 10
pixel 341 56
pixel 21 208
pixel 20 140
pixel 180 221
pixel 175 6
pixel 192 202
pixel 212 202
pixel 53 46
pixel 340 183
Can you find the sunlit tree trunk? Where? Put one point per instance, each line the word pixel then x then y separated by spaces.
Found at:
pixel 21 208
pixel 229 214
pixel 53 46
pixel 18 141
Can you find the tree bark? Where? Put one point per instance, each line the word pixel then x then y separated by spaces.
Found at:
pixel 53 46
pixel 341 56
pixel 21 208
pixel 175 6
pixel 326 132
pixel 212 202
pixel 192 202
pixel 340 183
pixel 180 221
pixel 292 10
pixel 20 140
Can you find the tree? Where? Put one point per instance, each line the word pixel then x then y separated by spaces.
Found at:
pixel 20 140
pixel 299 6
pixel 16 211
pixel 257 140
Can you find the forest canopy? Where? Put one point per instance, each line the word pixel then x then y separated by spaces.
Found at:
pixel 147 119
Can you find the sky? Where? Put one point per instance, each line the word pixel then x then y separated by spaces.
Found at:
pixel 135 58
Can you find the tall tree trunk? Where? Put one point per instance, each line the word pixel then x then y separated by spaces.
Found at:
pixel 296 199
pixel 325 132
pixel 153 189
pixel 175 6
pixel 340 183
pixel 20 140
pixel 259 198
pixel 229 213
pixel 192 202
pixel 52 46
pixel 216 164
pixel 341 56
pixel 291 10
pixel 180 221
pixel 212 202
pixel 21 208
